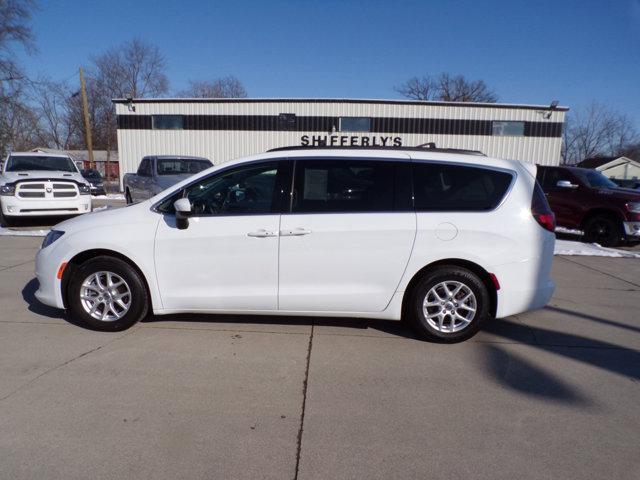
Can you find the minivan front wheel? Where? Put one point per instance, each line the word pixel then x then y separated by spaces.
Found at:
pixel 106 293
pixel 449 304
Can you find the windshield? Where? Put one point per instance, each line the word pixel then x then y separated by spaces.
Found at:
pixel 595 179
pixel 179 166
pixel 92 174
pixel 21 163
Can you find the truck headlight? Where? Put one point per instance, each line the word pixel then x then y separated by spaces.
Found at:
pixel 85 189
pixel 633 207
pixel 7 190
pixel 51 237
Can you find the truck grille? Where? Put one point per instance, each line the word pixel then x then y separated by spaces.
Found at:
pixel 47 189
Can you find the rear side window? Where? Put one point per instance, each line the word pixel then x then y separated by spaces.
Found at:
pixel 144 170
pixel 443 188
pixel 342 186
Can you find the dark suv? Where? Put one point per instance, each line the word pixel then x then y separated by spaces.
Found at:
pixel 586 200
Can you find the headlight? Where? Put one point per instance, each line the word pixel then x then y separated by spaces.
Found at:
pixel 51 237
pixel 84 189
pixel 633 207
pixel 7 190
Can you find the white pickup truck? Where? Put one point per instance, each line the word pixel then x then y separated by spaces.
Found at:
pixel 42 184
pixel 159 172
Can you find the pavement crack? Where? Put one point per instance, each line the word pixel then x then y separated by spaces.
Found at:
pixel 600 271
pixel 305 384
pixel 16 265
pixel 63 364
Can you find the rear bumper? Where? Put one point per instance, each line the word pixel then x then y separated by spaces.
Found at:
pixel 22 207
pixel 526 285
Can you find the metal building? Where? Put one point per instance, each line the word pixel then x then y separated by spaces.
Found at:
pixel 223 129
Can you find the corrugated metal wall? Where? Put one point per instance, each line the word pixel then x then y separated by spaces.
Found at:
pixel 223 145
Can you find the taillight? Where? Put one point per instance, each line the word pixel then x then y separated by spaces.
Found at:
pixel 541 211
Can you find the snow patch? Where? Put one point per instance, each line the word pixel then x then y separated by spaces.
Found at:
pixel 568 231
pixel 7 232
pixel 98 209
pixel 567 247
pixel 111 196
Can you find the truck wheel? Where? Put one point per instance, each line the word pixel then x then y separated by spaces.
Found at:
pixel 7 221
pixel 106 293
pixel 449 304
pixel 604 230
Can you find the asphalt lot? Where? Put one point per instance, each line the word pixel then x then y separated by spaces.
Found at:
pixel 550 394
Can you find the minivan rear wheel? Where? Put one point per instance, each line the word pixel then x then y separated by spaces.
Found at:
pixel 106 293
pixel 449 304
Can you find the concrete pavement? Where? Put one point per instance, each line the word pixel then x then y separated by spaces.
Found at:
pixel 548 394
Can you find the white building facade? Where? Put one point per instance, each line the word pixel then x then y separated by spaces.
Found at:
pixel 224 129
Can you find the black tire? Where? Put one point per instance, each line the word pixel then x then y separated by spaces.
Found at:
pixel 415 313
pixel 7 221
pixel 127 197
pixel 604 230
pixel 139 297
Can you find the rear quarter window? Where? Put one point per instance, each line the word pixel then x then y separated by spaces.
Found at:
pixel 443 188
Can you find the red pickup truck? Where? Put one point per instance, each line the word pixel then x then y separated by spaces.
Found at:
pixel 586 200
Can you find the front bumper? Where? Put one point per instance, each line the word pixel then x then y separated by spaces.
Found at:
pixel 32 207
pixel 49 287
pixel 632 229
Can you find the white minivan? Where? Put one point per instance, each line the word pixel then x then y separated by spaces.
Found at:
pixel 443 239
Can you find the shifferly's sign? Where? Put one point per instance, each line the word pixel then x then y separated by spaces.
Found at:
pixel 349 141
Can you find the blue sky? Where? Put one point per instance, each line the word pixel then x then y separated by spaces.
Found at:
pixel 527 51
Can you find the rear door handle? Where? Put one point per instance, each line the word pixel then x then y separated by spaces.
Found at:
pixel 296 232
pixel 262 233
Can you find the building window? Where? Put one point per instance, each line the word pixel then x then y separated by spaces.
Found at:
pixel 355 124
pixel 287 121
pixel 167 122
pixel 508 129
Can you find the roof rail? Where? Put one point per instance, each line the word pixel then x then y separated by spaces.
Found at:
pixel 431 147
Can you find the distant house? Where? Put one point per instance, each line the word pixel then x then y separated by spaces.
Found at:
pixel 622 168
pixel 100 157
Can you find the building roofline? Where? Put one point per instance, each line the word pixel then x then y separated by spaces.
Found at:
pixel 341 100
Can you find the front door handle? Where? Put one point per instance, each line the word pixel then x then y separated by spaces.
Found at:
pixel 296 232
pixel 262 233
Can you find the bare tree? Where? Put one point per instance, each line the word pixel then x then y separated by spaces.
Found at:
pixel 52 102
pixel 597 131
pixel 14 30
pixel 226 87
pixel 134 69
pixel 17 125
pixel 448 88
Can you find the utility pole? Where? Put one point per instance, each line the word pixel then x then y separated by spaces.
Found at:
pixel 87 124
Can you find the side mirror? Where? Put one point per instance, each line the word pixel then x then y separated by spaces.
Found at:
pixel 566 184
pixel 183 210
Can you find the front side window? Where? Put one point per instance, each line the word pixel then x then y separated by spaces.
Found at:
pixel 355 124
pixel 508 129
pixel 595 179
pixel 440 187
pixel 247 190
pixel 342 186
pixel 167 122
pixel 22 163
pixel 179 166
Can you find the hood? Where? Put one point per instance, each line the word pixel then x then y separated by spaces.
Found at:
pixel 106 218
pixel 621 193
pixel 11 177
